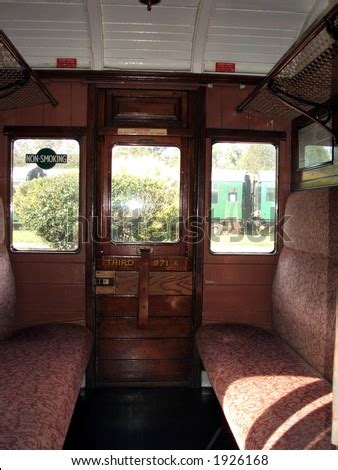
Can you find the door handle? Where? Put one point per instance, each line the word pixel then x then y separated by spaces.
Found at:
pixel 143 289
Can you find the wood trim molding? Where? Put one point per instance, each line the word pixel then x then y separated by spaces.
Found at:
pixel 44 131
pixel 246 134
pixel 182 78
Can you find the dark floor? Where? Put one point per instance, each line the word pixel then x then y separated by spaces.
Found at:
pixel 162 418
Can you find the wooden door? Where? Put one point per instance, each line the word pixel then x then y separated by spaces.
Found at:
pixel 144 263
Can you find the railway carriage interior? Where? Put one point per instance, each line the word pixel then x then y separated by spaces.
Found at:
pixel 168 224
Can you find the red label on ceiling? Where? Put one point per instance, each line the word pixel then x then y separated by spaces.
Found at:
pixel 66 63
pixel 227 67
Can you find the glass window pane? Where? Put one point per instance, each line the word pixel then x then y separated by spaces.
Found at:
pixel 314 146
pixel 145 194
pixel 244 215
pixel 45 194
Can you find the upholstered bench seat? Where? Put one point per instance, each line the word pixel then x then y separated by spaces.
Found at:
pixel 41 371
pixel 271 397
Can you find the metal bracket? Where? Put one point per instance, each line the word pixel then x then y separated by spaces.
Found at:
pixel 285 98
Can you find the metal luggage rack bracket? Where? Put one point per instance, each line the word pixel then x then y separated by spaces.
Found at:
pixel 305 80
pixel 19 84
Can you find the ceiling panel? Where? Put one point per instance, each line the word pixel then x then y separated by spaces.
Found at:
pixel 180 35
pixel 44 30
pixel 159 39
pixel 253 33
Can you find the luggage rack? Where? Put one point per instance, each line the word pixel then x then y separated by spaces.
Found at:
pixel 305 80
pixel 19 85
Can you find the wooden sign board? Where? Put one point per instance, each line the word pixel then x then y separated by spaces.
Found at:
pixel 141 131
pixel 123 263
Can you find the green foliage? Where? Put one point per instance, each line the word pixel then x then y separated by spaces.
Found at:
pixel 226 159
pixel 49 208
pixel 143 209
pixel 257 157
pixel 253 159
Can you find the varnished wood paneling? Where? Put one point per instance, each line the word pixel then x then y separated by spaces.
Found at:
pixel 61 114
pixel 213 107
pixel 170 284
pixel 237 303
pixel 79 104
pixel 146 107
pixel 50 297
pixel 158 306
pixel 143 349
pixel 143 371
pixel 56 273
pixel 26 317
pixel 126 283
pixel 34 117
pixel 216 274
pixel 156 328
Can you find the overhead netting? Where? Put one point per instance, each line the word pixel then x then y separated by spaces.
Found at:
pixel 19 87
pixel 312 76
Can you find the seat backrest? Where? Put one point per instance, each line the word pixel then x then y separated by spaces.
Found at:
pixel 304 289
pixel 7 291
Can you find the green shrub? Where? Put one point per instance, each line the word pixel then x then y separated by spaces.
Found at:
pixel 155 220
pixel 49 207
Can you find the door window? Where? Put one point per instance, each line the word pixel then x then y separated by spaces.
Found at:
pixel 145 194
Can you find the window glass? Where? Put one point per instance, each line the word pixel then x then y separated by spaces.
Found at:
pixel 243 220
pixel 315 146
pixel 145 194
pixel 45 195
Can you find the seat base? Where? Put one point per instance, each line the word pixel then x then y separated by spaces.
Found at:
pixel 41 372
pixel 271 397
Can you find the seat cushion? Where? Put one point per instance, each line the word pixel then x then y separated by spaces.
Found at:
pixel 6 284
pixel 271 398
pixel 41 371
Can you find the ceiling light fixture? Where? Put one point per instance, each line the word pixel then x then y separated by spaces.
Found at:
pixel 150 3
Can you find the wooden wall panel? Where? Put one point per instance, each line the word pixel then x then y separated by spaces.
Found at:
pixel 156 327
pixel 50 287
pixel 171 348
pixel 238 303
pixel 237 288
pixel 143 371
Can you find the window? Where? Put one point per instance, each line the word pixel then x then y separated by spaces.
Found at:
pixel 244 219
pixel 145 194
pixel 315 146
pixel 45 195
pixel 232 195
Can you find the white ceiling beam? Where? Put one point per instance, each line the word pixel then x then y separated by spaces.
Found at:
pixel 205 11
pixel 96 32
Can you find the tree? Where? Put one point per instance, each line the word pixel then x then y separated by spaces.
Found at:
pixel 226 157
pixel 143 209
pixel 49 207
pixel 258 157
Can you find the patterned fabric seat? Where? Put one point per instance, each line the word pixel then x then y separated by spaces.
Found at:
pixel 41 371
pixel 271 398
pixel 275 387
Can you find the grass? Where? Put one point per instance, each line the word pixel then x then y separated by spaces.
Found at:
pixel 25 239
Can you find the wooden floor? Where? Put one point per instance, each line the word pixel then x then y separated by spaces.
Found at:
pixel 147 419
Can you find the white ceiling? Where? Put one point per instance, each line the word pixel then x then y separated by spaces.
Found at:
pixel 177 35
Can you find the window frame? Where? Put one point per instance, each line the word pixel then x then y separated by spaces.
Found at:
pixel 275 138
pixel 78 134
